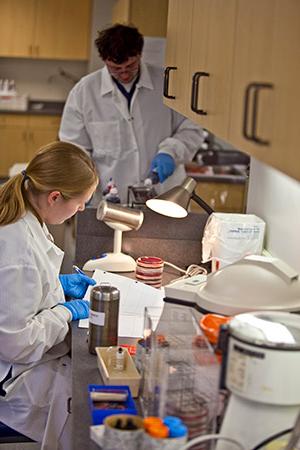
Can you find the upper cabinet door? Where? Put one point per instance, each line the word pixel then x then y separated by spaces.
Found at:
pixel 16 29
pixel 199 60
pixel 62 29
pixel 211 63
pixel 177 61
pixel 285 78
pixel 57 29
pixel 150 17
pixel 266 93
pixel 252 88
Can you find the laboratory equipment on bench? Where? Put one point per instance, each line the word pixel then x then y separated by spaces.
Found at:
pixel 262 374
pixel 138 194
pixel 180 372
pixel 119 218
pixel 255 283
pixel 104 316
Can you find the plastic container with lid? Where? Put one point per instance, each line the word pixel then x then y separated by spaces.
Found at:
pixel 266 345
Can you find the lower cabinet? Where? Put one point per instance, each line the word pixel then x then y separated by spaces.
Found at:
pixel 22 135
pixel 221 196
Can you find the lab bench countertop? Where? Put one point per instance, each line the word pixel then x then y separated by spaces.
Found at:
pixel 84 372
pixel 39 107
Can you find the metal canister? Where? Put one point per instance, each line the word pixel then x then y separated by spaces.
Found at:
pixel 104 316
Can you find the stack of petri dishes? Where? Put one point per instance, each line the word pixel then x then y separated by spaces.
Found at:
pixel 149 270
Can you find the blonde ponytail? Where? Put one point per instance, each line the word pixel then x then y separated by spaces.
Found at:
pixel 58 166
pixel 12 204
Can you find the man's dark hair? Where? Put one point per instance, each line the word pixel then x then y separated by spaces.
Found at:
pixel 119 42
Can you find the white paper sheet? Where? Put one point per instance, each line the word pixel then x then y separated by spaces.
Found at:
pixel 134 297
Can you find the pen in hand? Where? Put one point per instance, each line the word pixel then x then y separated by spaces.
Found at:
pixel 76 268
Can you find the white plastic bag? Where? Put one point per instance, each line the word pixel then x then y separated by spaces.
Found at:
pixel 229 237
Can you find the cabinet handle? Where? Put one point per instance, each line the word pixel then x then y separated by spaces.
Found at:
pixel 30 49
pixel 166 81
pixel 253 136
pixel 258 87
pixel 246 112
pixel 195 93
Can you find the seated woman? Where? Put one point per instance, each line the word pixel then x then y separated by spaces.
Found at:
pixel 35 375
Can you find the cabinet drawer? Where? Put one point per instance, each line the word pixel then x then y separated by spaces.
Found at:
pixel 13 120
pixel 44 121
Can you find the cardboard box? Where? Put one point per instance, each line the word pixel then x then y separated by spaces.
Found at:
pixel 129 376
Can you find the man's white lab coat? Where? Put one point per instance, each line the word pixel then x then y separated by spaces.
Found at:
pixel 33 334
pixel 122 142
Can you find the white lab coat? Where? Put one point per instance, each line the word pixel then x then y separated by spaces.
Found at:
pixel 123 143
pixel 33 336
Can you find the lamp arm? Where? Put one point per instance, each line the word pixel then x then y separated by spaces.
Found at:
pixel 202 203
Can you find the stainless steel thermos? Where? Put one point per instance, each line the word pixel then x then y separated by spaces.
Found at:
pixel 104 316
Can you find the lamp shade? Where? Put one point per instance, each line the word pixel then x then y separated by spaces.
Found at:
pixel 111 213
pixel 174 203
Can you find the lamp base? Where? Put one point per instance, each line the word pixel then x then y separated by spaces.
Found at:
pixel 112 262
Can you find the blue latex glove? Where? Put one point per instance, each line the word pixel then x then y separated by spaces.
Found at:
pixel 75 284
pixel 164 165
pixel 79 308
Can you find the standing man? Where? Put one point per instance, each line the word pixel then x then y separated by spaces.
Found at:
pixel 117 114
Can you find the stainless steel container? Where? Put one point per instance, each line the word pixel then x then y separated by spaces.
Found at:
pixel 104 316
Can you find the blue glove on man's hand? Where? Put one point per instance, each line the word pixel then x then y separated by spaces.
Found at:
pixel 78 308
pixel 75 284
pixel 164 165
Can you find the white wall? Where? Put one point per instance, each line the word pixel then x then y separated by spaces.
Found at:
pixel 101 18
pixel 40 79
pixel 275 197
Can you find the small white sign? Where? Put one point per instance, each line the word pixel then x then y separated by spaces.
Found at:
pixel 97 318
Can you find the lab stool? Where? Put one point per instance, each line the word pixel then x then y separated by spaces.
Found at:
pixel 8 435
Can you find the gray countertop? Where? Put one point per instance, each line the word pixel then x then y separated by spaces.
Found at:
pixel 39 107
pixel 177 241
pixel 84 372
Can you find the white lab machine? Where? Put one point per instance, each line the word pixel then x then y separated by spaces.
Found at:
pixel 262 375
pixel 255 283
pixel 119 218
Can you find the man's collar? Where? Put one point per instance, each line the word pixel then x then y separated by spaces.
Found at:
pixel 107 84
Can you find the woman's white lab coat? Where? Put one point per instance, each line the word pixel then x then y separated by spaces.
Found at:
pixel 122 142
pixel 33 334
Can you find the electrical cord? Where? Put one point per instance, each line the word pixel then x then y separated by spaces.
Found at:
pixel 272 438
pixel 210 437
pixel 191 271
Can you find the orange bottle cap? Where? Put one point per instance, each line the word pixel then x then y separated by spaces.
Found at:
pixel 152 421
pixel 158 431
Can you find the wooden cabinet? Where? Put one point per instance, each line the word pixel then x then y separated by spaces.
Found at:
pixel 236 73
pixel 176 90
pixel 221 196
pixel 54 29
pixel 150 17
pixel 201 66
pixel 265 92
pixel 22 135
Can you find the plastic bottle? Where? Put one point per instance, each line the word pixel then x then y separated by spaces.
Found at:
pixel 120 359
pixel 108 187
pixel 113 196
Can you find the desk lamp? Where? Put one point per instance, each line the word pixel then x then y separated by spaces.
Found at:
pixel 119 218
pixel 174 203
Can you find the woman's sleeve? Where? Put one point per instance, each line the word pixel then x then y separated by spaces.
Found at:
pixel 28 325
